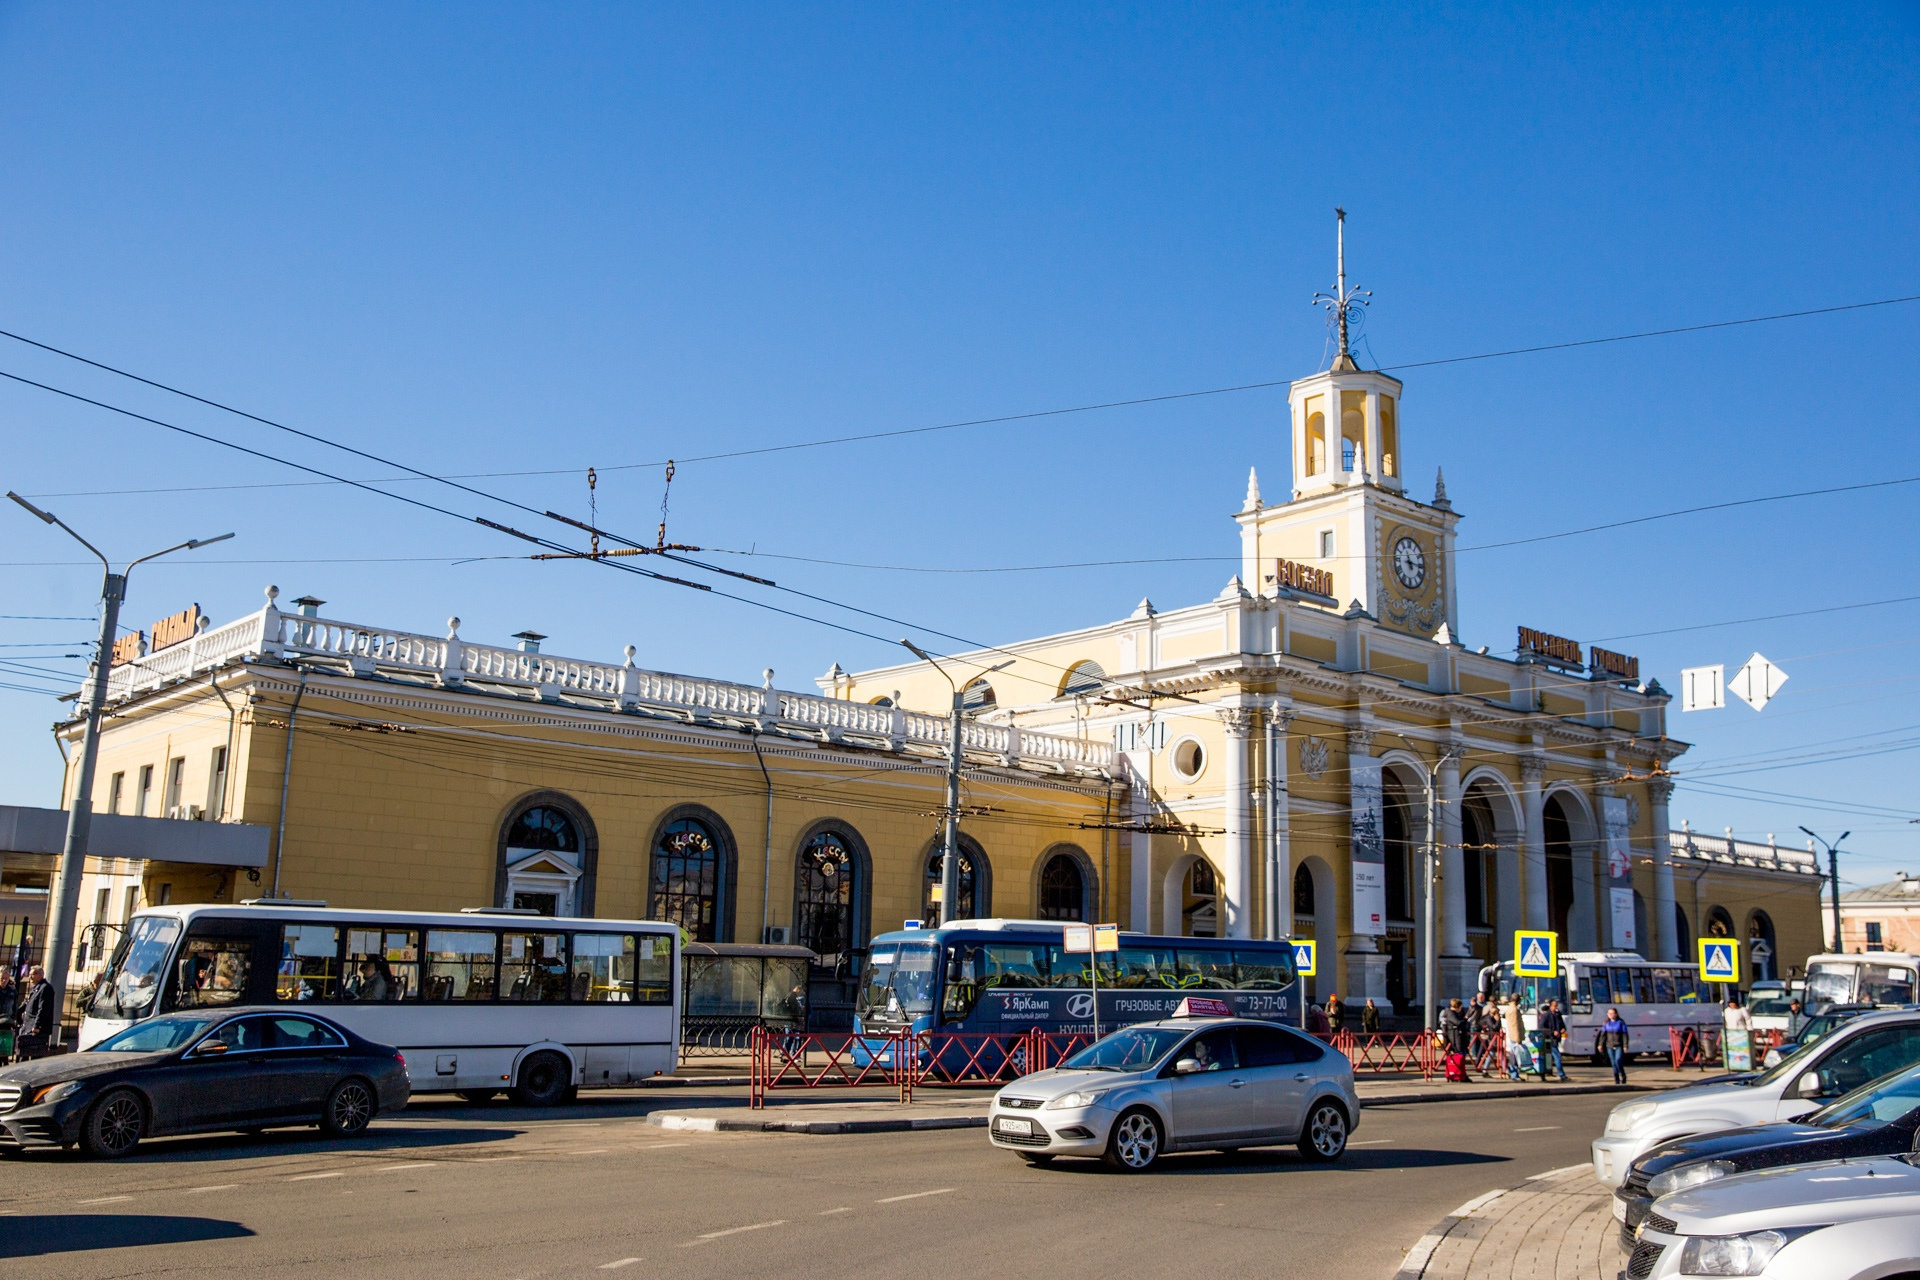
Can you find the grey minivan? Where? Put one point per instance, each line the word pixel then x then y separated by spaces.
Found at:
pixel 1182 1084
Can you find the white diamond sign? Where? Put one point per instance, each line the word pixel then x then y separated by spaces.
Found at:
pixel 1757 682
pixel 1703 688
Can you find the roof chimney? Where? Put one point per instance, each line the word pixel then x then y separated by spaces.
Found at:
pixel 308 606
pixel 529 641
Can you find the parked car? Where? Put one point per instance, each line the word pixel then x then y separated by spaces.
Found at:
pixel 1852 1053
pixel 1879 1119
pixel 1835 1220
pixel 1813 1027
pixel 247 1069
pixel 1182 1084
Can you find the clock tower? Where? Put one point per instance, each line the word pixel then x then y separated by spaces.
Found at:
pixel 1349 531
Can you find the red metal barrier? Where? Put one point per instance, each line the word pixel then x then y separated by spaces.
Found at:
pixel 1413 1051
pixel 1050 1049
pixel 1694 1046
pixel 828 1060
pixel 975 1057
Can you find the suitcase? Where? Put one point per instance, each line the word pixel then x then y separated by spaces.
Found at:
pixel 1456 1068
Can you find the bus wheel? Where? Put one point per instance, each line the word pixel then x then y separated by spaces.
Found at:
pixel 479 1096
pixel 543 1080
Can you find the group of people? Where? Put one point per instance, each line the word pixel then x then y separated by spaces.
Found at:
pixel 1468 1030
pixel 1332 1016
pixel 26 1015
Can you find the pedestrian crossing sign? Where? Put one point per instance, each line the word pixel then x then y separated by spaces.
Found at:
pixel 1719 960
pixel 1306 957
pixel 1536 953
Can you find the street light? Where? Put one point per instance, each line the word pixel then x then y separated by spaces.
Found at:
pixel 73 854
pixel 1833 879
pixel 950 850
pixel 1430 879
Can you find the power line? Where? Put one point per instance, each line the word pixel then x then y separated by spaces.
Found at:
pixel 1768 617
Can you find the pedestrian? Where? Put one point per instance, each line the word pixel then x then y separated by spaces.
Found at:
pixel 1369 1019
pixel 1735 1014
pixel 1456 1037
pixel 1613 1039
pixel 1552 1031
pixel 36 1017
pixel 1487 1029
pixel 9 1001
pixel 1317 1023
pixel 1336 1012
pixel 1796 1019
pixel 1515 1033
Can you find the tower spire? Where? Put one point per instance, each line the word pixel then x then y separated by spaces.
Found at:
pixel 1342 305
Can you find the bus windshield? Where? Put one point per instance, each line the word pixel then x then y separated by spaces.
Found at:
pixel 1134 1049
pixel 899 982
pixel 1830 984
pixel 131 980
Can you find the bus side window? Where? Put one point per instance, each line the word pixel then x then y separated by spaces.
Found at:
pixel 1206 967
pixel 1148 967
pixel 309 962
pixel 602 968
pixel 1643 986
pixel 1663 986
pixel 1601 984
pixel 383 965
pixel 212 971
pixel 653 969
pixel 1071 969
pixel 1264 970
pixel 1623 986
pixel 1683 991
pixel 1583 994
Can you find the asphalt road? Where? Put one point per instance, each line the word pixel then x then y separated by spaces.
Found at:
pixel 483 1193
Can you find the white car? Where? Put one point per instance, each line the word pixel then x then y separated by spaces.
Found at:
pixel 1838 1220
pixel 1182 1085
pixel 1853 1053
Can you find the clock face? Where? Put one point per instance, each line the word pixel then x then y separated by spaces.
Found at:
pixel 1409 563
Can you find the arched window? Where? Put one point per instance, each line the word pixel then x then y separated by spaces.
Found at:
pixel 1682 931
pixel 1760 953
pixel 1303 892
pixel 546 856
pixel 1477 861
pixel 978 698
pixel 1205 883
pixel 1719 923
pixel 1063 889
pixel 824 894
pixel 1085 677
pixel 688 878
pixel 972 898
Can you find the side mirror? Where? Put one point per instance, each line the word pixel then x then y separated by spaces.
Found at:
pixel 1808 1085
pixel 210 1049
pixel 1186 1067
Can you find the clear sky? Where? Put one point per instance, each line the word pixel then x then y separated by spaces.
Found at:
pixel 522 241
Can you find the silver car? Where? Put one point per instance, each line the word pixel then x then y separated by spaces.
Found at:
pixel 1183 1084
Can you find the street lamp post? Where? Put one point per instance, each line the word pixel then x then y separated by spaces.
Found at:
pixel 73 853
pixel 950 847
pixel 1833 881
pixel 1430 882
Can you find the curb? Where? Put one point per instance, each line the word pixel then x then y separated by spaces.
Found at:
pixel 1480 1095
pixel 683 1082
pixel 1414 1266
pixel 723 1124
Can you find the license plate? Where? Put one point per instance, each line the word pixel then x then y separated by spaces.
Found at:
pixel 1619 1209
pixel 1005 1125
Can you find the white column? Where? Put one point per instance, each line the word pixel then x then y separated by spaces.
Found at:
pixel 1659 791
pixel 1453 874
pixel 1237 875
pixel 1533 835
pixel 1140 844
pixel 1279 871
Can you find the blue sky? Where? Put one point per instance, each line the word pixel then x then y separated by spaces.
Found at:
pixel 533 240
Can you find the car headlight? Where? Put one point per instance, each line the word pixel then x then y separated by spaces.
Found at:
pixel 55 1092
pixel 1079 1098
pixel 1746 1255
pixel 1688 1175
pixel 1622 1118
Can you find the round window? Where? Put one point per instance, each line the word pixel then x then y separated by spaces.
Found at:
pixel 1189 758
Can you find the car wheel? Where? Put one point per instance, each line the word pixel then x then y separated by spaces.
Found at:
pixel 543 1080
pixel 479 1096
pixel 115 1125
pixel 1038 1160
pixel 349 1109
pixel 1135 1142
pixel 1325 1134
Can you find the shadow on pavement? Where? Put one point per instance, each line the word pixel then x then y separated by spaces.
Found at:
pixel 385 1136
pixel 1222 1163
pixel 31 1235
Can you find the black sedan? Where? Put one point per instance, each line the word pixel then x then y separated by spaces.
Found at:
pixel 1877 1119
pixel 247 1069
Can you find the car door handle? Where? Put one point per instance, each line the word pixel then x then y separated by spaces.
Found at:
pixel 1303 1077
pixel 1235 1084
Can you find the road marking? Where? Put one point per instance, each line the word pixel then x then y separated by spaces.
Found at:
pixel 225 1186
pixel 590 1151
pixel 103 1200
pixel 617 1263
pixel 490 1159
pixel 395 1168
pixel 828 1212
pixel 1370 1142
pixel 662 1146
pixel 914 1196
pixel 1468 1209
pixel 1554 1173
pixel 309 1177
pixel 734 1231
pixel 1538 1128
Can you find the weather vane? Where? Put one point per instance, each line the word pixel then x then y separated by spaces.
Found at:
pixel 1343 303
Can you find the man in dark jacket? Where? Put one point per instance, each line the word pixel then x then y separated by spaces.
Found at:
pixel 36 1017
pixel 1552 1030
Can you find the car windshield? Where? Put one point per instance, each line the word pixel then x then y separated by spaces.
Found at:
pixel 1872 1105
pixel 1768 1006
pixel 1134 1049
pixel 156 1036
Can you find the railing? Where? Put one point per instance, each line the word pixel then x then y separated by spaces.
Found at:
pixel 1694 1046
pixel 451 661
pixel 828 1060
pixel 1396 1053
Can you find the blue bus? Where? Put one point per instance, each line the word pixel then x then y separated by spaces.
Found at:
pixel 1009 977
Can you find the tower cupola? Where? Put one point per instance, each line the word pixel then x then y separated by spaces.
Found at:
pixel 1346 420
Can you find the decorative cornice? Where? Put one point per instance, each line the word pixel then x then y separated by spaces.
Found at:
pixel 1533 769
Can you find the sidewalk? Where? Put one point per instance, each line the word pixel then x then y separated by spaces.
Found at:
pixel 1554 1226
pixel 875 1110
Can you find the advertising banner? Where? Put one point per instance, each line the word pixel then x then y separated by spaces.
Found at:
pixel 1369 854
pixel 1619 849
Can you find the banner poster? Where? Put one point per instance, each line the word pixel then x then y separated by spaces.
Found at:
pixel 1369 854
pixel 1619 846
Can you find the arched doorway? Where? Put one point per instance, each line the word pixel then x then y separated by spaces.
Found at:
pixel 1200 912
pixel 692 873
pixel 1064 885
pixel 1397 841
pixel 546 856
pixel 1682 931
pixel 1490 828
pixel 829 895
pixel 1761 958
pixel 1315 917
pixel 1559 849
pixel 973 871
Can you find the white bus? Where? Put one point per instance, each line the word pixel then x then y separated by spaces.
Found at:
pixel 1870 977
pixel 1652 998
pixel 480 1002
